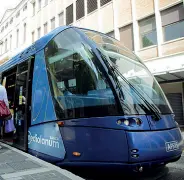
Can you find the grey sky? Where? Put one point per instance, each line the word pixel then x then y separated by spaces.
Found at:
pixel 7 4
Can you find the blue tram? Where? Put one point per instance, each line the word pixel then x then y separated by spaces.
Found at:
pixel 80 98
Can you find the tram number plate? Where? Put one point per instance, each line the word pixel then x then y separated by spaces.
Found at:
pixel 171 146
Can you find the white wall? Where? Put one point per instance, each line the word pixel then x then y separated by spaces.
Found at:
pixel 108 18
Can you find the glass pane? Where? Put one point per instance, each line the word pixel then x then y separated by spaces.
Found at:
pixel 126 36
pixel 79 9
pixel 174 31
pixel 61 19
pixel 92 5
pixel 111 34
pixel 149 39
pixel 78 85
pixel 135 72
pixel 173 14
pixel 45 28
pixel 52 23
pixel 20 103
pixel 147 25
pixel 69 14
pixel 103 2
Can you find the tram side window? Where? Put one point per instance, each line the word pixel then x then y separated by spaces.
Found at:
pixel 76 80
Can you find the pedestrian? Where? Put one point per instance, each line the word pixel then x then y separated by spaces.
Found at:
pixel 3 97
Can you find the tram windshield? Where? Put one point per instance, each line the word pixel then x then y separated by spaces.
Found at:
pixel 129 68
pixel 81 87
pixel 78 85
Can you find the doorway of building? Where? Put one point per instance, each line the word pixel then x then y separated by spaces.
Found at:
pixel 175 100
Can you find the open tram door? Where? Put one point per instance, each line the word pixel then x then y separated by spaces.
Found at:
pixel 20 104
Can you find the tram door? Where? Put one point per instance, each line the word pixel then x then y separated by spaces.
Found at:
pixel 22 104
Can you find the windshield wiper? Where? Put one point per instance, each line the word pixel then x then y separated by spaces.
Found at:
pixel 149 107
pixel 118 86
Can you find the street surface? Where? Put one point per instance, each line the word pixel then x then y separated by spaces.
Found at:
pixel 173 171
pixel 176 171
pixel 17 165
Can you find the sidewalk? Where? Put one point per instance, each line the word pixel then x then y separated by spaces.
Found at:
pixel 17 165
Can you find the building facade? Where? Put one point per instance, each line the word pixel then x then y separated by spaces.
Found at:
pixel 153 29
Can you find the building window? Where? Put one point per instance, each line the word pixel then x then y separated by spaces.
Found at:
pixel 103 2
pixel 39 32
pixel 25 29
pixel 92 5
pixel 33 37
pixel 69 14
pixel 46 2
pixel 11 20
pixel 39 4
pixel 148 33
pixel 111 34
pixel 2 29
pixel 173 22
pixel 34 6
pixel 1 46
pixel 10 42
pixel 25 7
pixel 6 45
pixel 17 43
pixel 126 36
pixel 53 23
pixel 6 25
pixel 61 19
pixel 45 28
pixel 79 9
pixel 18 14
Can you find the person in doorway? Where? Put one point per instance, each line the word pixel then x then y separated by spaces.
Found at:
pixel 3 97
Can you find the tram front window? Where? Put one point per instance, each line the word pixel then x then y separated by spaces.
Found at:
pixel 77 84
pixel 131 68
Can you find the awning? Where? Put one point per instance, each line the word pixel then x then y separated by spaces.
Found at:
pixel 167 69
pixel 170 76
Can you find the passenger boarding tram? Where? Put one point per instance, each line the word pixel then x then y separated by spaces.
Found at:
pixel 79 98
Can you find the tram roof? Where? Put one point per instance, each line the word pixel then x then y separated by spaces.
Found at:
pixel 31 50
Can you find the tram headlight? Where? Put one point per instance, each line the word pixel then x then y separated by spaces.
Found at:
pixel 138 121
pixel 126 122
pixel 119 122
pixel 130 122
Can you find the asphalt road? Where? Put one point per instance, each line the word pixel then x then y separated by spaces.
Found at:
pixel 173 171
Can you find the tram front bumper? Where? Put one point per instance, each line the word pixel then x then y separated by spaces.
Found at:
pixel 154 145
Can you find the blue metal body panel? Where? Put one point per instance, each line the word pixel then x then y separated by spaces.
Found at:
pixel 42 103
pixel 166 122
pixel 151 145
pixel 95 144
pixel 119 167
pixel 109 122
pixel 46 139
pixel 45 157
